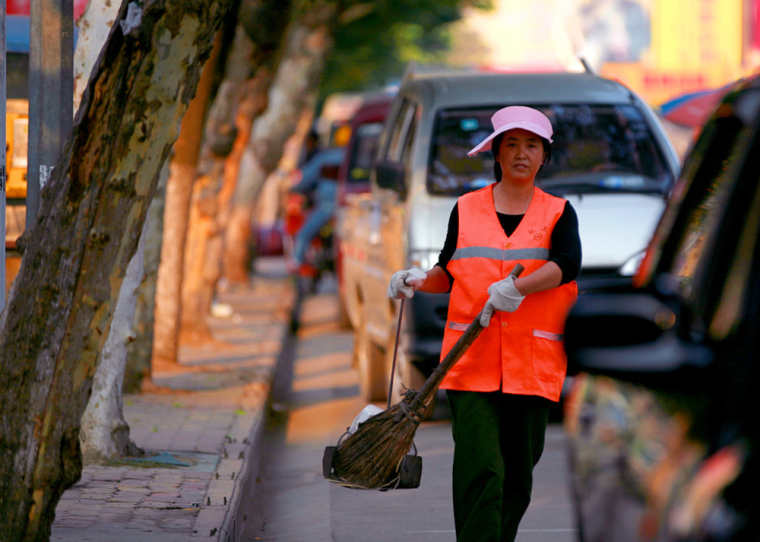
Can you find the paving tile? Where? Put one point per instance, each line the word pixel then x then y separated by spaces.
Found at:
pixel 212 412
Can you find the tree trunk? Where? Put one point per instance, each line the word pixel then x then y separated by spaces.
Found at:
pixel 91 213
pixel 250 106
pixel 105 433
pixel 182 172
pixel 93 28
pixel 140 351
pixel 308 41
pixel 218 140
pixel 196 299
pixel 238 101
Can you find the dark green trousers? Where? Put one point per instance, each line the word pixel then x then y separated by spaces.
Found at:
pixel 498 439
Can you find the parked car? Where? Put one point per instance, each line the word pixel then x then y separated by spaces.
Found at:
pixel 353 180
pixel 610 159
pixel 662 420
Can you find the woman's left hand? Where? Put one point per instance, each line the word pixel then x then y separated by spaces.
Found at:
pixel 503 296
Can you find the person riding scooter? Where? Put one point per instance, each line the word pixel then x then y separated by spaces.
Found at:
pixel 319 183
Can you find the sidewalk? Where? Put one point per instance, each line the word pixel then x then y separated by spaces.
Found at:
pixel 199 428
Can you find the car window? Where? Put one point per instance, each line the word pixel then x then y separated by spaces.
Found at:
pixel 363 151
pixel 693 208
pixel 404 117
pixel 726 275
pixel 734 292
pixel 701 218
pixel 406 152
pixel 597 146
pixel 701 242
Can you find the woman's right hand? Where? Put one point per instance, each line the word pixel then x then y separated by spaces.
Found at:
pixel 404 283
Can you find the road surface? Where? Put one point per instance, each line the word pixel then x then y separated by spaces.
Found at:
pixel 315 396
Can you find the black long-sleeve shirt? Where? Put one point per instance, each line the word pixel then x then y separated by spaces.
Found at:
pixel 565 248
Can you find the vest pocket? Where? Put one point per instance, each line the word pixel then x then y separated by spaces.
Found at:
pixel 458 326
pixel 548 356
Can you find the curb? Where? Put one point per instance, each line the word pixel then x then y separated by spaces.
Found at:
pixel 223 495
pixel 219 517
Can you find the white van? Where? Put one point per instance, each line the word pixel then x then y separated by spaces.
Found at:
pixel 611 159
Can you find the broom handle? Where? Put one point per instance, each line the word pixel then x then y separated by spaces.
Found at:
pixel 462 344
pixel 395 350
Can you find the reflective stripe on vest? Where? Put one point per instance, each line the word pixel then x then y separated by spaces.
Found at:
pixel 501 254
pixel 519 352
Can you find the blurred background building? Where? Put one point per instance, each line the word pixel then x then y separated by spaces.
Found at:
pixel 659 48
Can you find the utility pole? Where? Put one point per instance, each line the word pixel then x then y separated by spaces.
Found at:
pixel 51 90
pixel 3 154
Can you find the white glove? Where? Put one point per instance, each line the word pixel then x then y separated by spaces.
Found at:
pixel 399 287
pixel 503 296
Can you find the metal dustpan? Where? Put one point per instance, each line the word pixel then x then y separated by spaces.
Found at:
pixel 408 474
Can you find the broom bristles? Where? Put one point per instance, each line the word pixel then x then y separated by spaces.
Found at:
pixel 371 456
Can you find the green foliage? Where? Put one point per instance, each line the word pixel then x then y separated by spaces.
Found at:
pixel 376 40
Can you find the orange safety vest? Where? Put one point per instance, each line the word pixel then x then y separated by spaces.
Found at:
pixel 519 352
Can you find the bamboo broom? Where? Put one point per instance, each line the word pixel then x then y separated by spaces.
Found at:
pixel 370 458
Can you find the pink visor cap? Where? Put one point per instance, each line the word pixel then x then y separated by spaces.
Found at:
pixel 516 116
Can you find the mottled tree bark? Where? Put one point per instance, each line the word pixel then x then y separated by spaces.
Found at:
pixel 105 432
pixel 91 213
pixel 307 43
pixel 182 173
pixel 93 28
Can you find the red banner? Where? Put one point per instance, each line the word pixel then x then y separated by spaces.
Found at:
pixel 21 7
pixel 17 7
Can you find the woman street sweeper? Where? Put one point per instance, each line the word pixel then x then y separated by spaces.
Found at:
pixel 501 389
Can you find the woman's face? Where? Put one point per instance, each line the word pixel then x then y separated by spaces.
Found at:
pixel 520 156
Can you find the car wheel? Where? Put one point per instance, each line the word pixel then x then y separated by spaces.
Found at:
pixel 370 363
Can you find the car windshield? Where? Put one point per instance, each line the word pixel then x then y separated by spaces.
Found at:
pixel 363 151
pixel 596 148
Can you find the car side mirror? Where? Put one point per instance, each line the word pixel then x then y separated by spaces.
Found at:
pixel 633 335
pixel 390 175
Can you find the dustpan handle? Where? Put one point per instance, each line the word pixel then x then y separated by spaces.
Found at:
pixel 462 344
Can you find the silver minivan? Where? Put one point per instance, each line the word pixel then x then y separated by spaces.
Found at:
pixel 611 159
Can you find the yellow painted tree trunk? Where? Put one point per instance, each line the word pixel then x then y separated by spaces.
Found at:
pixel 182 173
pixel 196 299
pixel 197 286
pixel 91 214
pixel 242 96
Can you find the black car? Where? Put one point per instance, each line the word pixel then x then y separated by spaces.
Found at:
pixel 662 420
